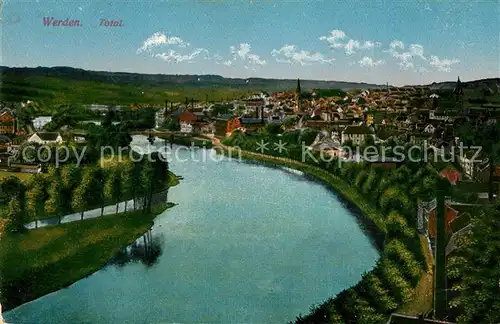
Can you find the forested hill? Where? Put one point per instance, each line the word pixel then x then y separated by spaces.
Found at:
pixel 167 80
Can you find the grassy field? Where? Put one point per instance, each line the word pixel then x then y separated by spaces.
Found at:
pixel 60 255
pixel 20 175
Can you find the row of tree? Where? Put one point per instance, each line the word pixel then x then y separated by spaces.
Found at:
pixel 69 189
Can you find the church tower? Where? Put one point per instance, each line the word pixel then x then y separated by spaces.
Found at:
pixel 298 98
pixel 460 102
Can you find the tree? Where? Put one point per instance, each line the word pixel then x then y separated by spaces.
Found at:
pixel 14 216
pixel 13 191
pixel 112 188
pixel 55 204
pixel 475 263
pixel 97 187
pixel 146 184
pixel 82 193
pixel 35 198
pixel 172 124
pixel 70 176
pixel 128 181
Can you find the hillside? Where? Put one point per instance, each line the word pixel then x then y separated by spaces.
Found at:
pixel 61 85
pixel 65 84
pixel 491 83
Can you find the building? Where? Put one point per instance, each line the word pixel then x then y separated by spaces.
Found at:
pixel 160 117
pixel 474 165
pixel 45 138
pixel 357 134
pixel 226 125
pixel 100 108
pixel 298 98
pixel 7 122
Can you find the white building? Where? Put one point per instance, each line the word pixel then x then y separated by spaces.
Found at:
pixel 186 128
pixel 45 138
pixel 357 133
pixel 160 117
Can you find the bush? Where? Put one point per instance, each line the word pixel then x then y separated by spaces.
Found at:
pixel 379 295
pixel 395 280
pixel 360 179
pixel 397 252
pixel 397 226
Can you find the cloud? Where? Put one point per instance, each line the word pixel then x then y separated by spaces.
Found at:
pixel 174 57
pixel 228 63
pixel 442 65
pixel 158 39
pixel 397 44
pixel 406 58
pixel 369 62
pixel 336 37
pixel 417 50
pixel 243 52
pixel 290 54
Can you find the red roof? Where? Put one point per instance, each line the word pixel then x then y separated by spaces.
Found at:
pixel 451 214
pixel 452 175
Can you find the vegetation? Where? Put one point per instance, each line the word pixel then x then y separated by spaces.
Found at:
pixel 60 255
pixel 474 269
pixel 59 90
pixel 69 189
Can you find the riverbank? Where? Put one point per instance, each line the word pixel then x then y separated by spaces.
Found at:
pixel 392 269
pixel 370 219
pixel 61 255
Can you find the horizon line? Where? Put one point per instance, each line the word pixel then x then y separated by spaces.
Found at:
pixel 242 78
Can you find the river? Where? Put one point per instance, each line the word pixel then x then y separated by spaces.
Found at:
pixel 245 244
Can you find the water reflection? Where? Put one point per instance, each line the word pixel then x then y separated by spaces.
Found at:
pixel 146 250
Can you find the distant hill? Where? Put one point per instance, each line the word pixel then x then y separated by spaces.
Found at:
pixel 491 83
pixel 178 80
pixel 63 85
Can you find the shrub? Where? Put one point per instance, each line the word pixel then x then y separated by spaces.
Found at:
pixel 360 179
pixel 395 280
pixel 397 252
pixel 397 225
pixel 379 296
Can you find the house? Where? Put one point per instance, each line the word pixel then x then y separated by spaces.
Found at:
pixel 186 128
pixel 45 138
pixel 429 129
pixel 474 165
pixel 160 117
pixel 7 122
pixel 252 124
pixel 100 108
pixel 357 134
pixel 184 116
pixel 204 128
pixel 226 125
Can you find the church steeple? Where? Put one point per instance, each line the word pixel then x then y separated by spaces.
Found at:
pixel 298 97
pixel 458 91
pixel 460 102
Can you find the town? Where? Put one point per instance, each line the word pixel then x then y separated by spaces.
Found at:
pixel 321 162
pixel 330 122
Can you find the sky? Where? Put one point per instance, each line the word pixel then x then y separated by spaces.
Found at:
pixel 399 41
